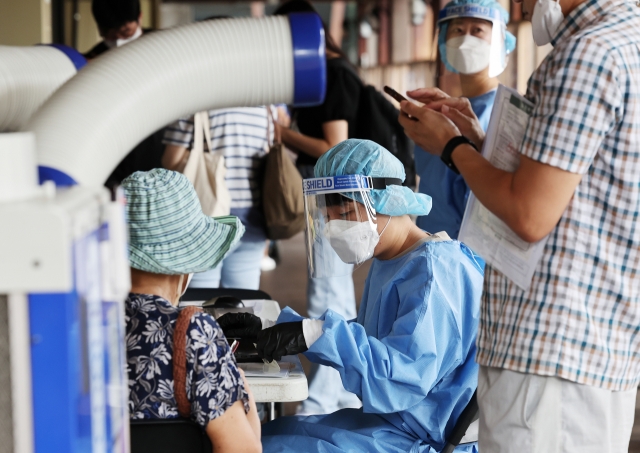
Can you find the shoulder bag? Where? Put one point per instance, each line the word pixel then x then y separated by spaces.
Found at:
pixel 180 360
pixel 282 197
pixel 207 171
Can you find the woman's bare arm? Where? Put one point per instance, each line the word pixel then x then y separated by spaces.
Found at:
pixel 173 156
pixel 252 415
pixel 334 132
pixel 234 431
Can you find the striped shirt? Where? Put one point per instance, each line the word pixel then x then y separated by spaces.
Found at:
pixel 580 319
pixel 241 135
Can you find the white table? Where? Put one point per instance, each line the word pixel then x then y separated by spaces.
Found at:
pixel 274 390
pixel 277 390
pixel 281 390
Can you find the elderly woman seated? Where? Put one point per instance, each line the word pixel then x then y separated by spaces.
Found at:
pixel 170 239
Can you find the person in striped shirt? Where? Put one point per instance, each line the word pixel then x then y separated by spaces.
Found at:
pixel 241 135
pixel 560 361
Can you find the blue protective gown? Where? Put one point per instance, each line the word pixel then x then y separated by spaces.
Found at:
pixel 409 356
pixel 447 189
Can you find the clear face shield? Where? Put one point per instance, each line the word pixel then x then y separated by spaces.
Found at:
pixel 341 223
pixel 472 39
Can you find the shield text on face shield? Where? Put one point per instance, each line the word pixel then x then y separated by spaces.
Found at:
pixel 341 224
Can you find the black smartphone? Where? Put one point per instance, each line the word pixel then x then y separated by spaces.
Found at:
pixel 398 97
pixel 394 94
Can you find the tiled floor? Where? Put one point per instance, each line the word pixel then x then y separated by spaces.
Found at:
pixel 287 284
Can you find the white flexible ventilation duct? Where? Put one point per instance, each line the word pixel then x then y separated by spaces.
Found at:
pixel 28 76
pixel 93 121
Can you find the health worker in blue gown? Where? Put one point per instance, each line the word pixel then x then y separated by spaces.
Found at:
pixel 474 43
pixel 409 354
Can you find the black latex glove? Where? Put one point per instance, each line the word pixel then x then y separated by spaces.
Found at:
pixel 240 325
pixel 282 339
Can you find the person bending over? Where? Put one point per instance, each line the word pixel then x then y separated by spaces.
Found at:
pixel 170 239
pixel 409 354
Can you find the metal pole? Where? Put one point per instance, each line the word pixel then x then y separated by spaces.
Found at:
pixel 75 18
pixel 57 21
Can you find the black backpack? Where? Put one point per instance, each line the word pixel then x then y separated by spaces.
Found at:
pixel 378 121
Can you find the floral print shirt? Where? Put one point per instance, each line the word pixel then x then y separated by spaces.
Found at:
pixel 213 381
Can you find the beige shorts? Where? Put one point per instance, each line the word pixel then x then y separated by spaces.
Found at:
pixel 527 413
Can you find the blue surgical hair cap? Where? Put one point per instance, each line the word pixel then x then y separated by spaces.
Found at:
pixel 364 157
pixel 509 39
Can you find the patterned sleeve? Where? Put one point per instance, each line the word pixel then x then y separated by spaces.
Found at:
pixel 577 104
pixel 179 133
pixel 213 380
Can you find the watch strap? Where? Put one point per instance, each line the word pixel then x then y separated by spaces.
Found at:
pixel 450 147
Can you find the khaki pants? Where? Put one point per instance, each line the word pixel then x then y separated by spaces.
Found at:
pixel 527 413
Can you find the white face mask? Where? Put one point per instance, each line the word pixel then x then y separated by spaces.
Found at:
pixel 546 19
pixel 468 54
pixel 121 42
pixel 180 292
pixel 354 242
pixel 188 283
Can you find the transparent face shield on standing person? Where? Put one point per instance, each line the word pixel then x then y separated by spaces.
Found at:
pixel 465 50
pixel 341 222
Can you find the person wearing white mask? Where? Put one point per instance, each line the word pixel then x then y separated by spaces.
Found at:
pixel 118 24
pixel 409 354
pixel 473 43
pixel 560 360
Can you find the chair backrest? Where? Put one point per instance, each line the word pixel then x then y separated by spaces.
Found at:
pixel 168 436
pixel 209 293
pixel 468 416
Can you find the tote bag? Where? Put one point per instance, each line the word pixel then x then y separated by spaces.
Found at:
pixel 282 197
pixel 206 171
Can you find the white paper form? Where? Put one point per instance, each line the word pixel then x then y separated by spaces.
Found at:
pixel 481 230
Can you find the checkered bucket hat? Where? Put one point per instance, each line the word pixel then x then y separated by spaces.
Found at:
pixel 169 233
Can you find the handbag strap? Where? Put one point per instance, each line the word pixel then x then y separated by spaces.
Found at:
pixel 197 149
pixel 206 128
pixel 180 359
pixel 271 122
pixel 200 126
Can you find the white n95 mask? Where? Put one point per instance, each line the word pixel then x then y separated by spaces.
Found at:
pixel 354 242
pixel 121 42
pixel 468 54
pixel 188 283
pixel 180 292
pixel 546 19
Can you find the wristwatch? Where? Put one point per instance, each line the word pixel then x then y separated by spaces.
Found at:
pixel 450 146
